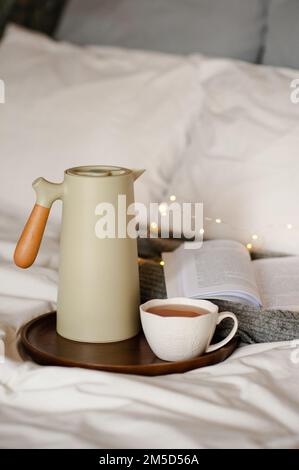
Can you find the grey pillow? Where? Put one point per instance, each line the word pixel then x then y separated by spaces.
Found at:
pixel 282 41
pixel 229 28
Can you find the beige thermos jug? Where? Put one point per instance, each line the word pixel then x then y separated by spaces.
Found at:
pixel 98 293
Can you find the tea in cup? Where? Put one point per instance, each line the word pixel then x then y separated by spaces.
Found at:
pixel 181 328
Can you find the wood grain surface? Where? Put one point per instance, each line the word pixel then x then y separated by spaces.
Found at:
pixel 31 237
pixel 133 356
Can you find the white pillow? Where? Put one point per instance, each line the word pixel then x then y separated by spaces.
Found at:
pixel 68 106
pixel 243 162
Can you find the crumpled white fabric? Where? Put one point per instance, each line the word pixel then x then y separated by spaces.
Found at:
pixel 68 106
pixel 242 162
pixel 249 401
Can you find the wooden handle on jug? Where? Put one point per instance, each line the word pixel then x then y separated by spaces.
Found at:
pixel 30 240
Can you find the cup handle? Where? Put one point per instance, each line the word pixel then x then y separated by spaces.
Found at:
pixel 221 317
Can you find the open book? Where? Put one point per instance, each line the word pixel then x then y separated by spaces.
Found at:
pixel 222 269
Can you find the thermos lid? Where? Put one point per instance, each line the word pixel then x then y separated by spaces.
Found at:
pixel 97 170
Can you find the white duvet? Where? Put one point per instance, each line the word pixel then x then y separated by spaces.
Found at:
pixel 207 130
pixel 250 400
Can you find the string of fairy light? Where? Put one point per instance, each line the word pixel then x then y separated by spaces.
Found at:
pixel 254 237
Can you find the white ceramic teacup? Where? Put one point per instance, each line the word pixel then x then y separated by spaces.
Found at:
pixel 177 338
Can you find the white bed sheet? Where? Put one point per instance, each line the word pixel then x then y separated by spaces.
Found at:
pixel 244 148
pixel 250 400
pixel 206 130
pixel 72 106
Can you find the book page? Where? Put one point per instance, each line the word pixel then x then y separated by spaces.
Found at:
pixel 219 269
pixel 278 282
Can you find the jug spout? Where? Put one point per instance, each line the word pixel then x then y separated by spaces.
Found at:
pixel 137 173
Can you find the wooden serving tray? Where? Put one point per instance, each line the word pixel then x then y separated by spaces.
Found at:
pixel 133 356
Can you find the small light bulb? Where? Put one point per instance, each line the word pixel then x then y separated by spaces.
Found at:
pixel 163 208
pixel 289 226
pixel 201 231
pixel 254 236
pixel 218 221
pixel 154 225
pixel 172 198
pixel 249 246
pixel 162 263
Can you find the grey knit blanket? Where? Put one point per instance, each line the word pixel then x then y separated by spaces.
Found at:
pixel 255 325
